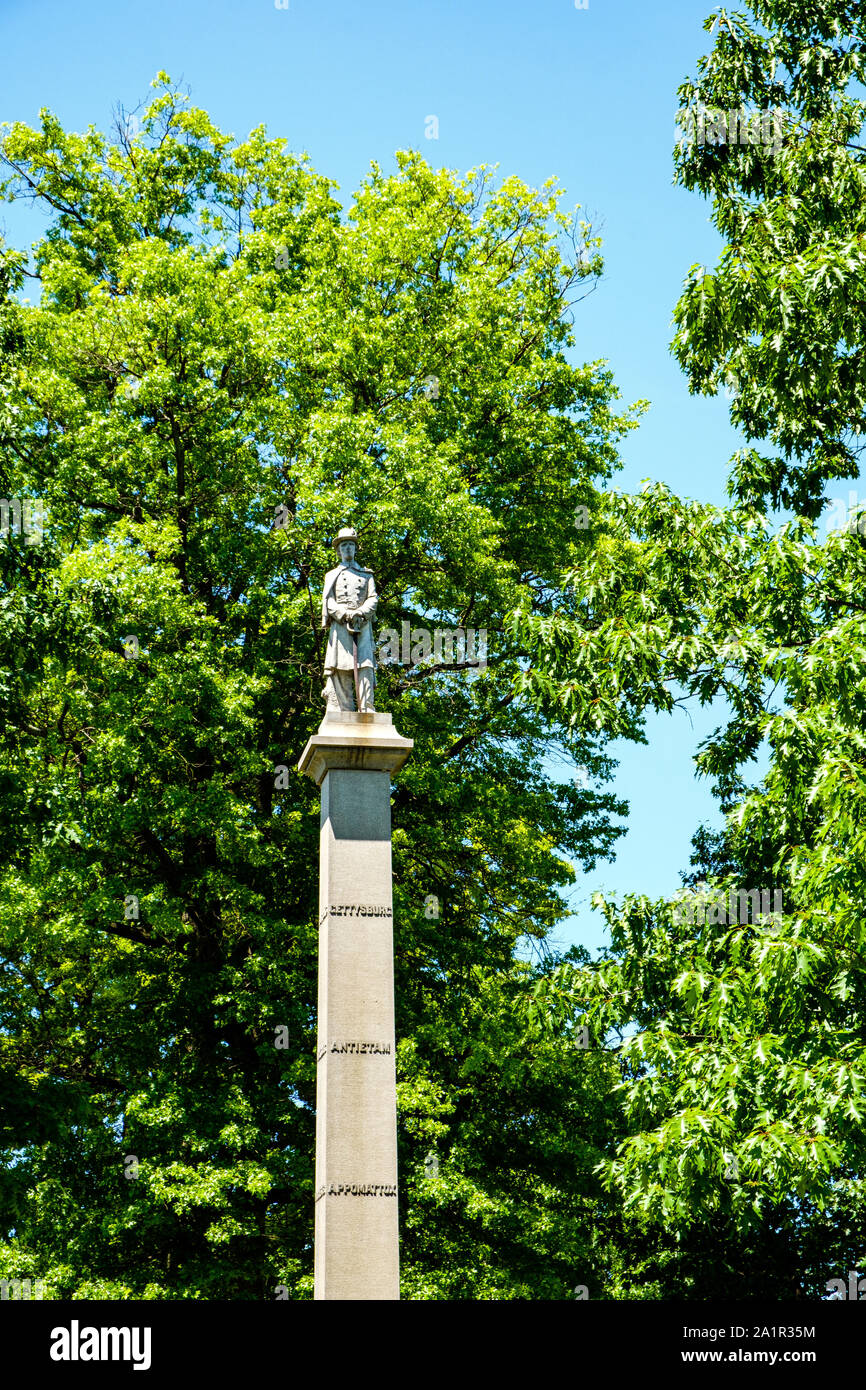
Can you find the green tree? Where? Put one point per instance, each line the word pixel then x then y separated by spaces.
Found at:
pixel 221 369
pixel 781 318
pixel 743 1064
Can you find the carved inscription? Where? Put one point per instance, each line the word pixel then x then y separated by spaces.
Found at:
pixel 356 1049
pixel 345 1189
pixel 356 910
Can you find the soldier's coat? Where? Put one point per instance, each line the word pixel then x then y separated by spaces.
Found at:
pixel 348 586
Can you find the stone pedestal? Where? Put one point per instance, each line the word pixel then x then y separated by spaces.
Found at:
pixel 352 759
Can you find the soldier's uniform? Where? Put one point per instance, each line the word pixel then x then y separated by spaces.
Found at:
pixel 349 589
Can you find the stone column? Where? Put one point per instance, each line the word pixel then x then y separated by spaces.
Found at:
pixel 352 759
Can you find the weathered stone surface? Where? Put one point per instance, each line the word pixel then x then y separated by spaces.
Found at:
pixel 352 759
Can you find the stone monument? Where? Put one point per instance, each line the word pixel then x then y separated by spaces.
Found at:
pixel 348 604
pixel 352 759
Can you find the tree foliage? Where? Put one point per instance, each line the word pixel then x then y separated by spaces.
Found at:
pixel 220 369
pixel 743 1060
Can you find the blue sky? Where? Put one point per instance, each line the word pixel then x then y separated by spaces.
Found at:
pixel 543 90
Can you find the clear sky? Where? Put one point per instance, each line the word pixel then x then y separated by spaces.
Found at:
pixel 542 89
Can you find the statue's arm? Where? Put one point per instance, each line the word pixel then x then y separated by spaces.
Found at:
pixel 337 611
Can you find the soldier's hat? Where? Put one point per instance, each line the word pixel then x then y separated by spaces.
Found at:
pixel 348 533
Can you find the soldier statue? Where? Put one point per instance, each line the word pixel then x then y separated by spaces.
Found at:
pixel 348 603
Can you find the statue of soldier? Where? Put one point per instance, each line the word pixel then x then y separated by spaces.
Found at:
pixel 348 603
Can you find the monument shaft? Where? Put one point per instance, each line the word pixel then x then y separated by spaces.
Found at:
pixel 356 1226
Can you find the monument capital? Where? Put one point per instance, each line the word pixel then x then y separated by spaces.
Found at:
pixel 362 742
